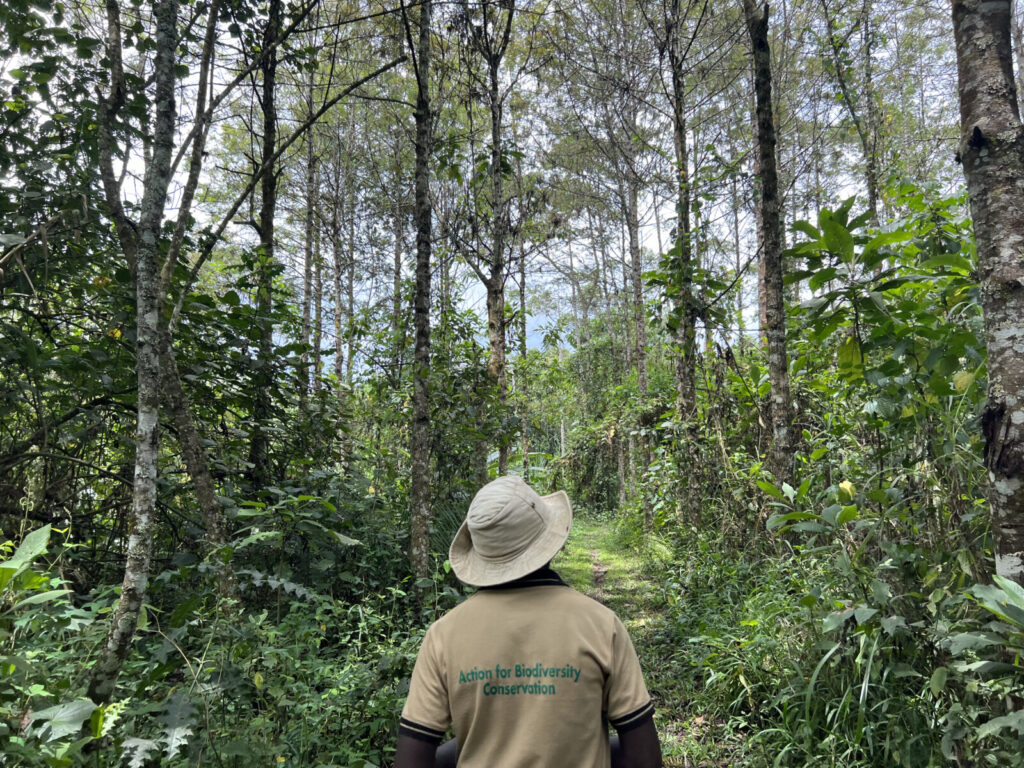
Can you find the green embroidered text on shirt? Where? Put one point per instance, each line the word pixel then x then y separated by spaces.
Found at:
pixel 535 671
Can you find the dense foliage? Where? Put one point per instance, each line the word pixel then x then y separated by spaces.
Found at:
pixel 846 616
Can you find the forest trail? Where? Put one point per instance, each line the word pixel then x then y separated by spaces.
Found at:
pixel 596 562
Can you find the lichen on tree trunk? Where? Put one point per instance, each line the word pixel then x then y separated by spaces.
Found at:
pixel 992 152
pixel 157 178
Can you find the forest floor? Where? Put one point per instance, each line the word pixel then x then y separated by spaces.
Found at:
pixel 596 562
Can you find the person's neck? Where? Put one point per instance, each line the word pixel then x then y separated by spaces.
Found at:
pixel 542 577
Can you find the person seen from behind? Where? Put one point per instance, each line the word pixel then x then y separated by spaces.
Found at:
pixel 527 672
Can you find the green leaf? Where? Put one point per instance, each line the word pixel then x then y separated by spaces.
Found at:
pixel 256 538
pixel 938 682
pixel 137 751
pixel 1014 721
pixel 42 597
pixel 346 540
pixel 770 489
pixel 30 548
pixel 963 641
pixel 63 719
pixel 849 513
pixel 893 624
pixel 822 276
pixel 864 614
pixel 883 239
pixel 953 261
pixel 1000 603
pixel 838 239
pixel 804 487
pixel 776 521
pixel 835 620
pixel 851 365
pixel 177 720
pixel 808 229
pixel 1014 591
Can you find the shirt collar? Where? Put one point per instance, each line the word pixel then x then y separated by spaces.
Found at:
pixel 542 577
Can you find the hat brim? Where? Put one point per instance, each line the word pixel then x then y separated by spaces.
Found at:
pixel 474 569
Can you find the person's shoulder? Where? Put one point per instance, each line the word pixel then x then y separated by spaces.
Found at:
pixel 453 615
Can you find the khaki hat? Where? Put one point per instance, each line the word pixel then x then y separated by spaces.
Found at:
pixel 509 531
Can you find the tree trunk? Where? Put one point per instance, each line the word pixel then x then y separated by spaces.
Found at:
pixel 398 232
pixel 637 282
pixel 771 246
pixel 1018 43
pixel 992 152
pixel 350 267
pixel 307 262
pixel 263 380
pixel 337 211
pixel 337 299
pixel 318 309
pixel 762 285
pixel 522 383
pixel 873 153
pixel 620 466
pixel 197 464
pixel 149 303
pixel 419 449
pixel 499 223
pixel 737 253
pixel 686 333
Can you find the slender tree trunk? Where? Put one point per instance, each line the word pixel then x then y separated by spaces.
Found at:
pixel 737 253
pixel 419 449
pixel 307 262
pixel 636 279
pixel 337 258
pixel 1018 44
pixel 874 154
pixel 263 380
pixel 490 39
pixel 318 310
pixel 398 230
pixel 771 246
pixel 762 285
pixel 499 223
pixel 992 152
pixel 620 465
pixel 197 463
pixel 686 334
pixel 337 297
pixel 523 387
pixel 139 550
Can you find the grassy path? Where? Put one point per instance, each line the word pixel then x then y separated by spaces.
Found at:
pixel 596 562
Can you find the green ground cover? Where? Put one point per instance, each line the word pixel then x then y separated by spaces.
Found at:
pixel 599 562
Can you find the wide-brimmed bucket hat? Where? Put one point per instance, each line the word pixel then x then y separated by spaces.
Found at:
pixel 509 531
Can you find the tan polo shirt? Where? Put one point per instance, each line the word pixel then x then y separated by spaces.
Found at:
pixel 527 677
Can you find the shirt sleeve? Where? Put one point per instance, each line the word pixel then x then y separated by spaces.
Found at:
pixel 627 702
pixel 426 714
